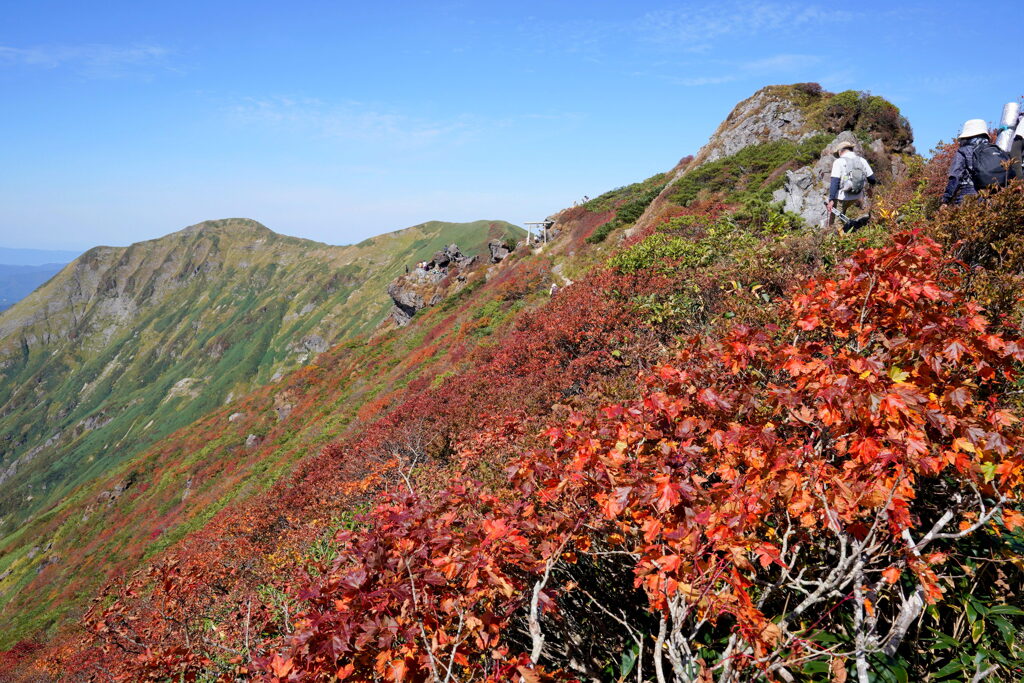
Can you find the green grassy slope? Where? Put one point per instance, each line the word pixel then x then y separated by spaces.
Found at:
pixel 53 563
pixel 127 345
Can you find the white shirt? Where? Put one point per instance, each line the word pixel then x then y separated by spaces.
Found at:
pixel 839 167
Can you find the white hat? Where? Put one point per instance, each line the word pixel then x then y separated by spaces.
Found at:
pixel 973 128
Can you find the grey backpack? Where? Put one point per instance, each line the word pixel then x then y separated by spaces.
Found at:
pixel 854 176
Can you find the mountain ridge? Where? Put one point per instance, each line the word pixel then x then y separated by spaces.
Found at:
pixel 215 306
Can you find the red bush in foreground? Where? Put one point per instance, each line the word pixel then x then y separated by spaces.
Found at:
pixel 777 496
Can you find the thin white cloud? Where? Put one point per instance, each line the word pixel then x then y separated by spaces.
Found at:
pixel 696 28
pixel 93 60
pixel 697 81
pixel 352 121
pixel 377 125
pixel 780 63
pixel 766 67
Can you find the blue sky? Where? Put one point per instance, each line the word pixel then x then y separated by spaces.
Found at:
pixel 124 121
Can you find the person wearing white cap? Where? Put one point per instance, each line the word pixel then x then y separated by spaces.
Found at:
pixel 960 184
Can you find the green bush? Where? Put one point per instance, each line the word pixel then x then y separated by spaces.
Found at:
pixel 634 201
pixel 668 253
pixel 754 171
pixel 863 113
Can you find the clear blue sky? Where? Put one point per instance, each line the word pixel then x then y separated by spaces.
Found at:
pixel 122 121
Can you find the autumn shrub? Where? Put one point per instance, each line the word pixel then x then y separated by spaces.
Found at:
pixel 784 498
pixel 633 201
pixel 808 89
pixel 987 237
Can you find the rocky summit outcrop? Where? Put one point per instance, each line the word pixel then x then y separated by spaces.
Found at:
pixel 429 282
pixel 763 117
pixel 807 118
pixel 499 250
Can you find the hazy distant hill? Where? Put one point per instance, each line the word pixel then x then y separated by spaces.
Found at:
pixel 17 282
pixel 128 344
pixel 35 257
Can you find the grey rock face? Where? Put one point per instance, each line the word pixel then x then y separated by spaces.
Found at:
pixel 283 406
pixel 441 259
pixel 314 343
pixel 26 458
pixel 499 252
pixel 806 189
pixel 407 302
pixel 760 119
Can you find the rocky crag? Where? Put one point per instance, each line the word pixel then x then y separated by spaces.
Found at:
pixel 445 274
pixel 809 120
pixel 428 283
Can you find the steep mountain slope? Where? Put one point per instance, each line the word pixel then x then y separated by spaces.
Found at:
pixel 126 345
pixel 52 564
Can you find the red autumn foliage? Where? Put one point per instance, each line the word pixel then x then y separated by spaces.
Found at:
pixel 749 456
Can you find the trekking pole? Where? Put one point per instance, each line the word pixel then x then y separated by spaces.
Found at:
pixel 846 220
pixel 851 224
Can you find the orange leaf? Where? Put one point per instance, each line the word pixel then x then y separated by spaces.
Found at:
pixel 838 669
pixel 280 666
pixel 529 675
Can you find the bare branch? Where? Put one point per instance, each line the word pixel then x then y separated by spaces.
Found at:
pixel 982 675
pixel 536 634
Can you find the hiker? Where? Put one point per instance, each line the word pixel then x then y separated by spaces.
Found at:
pixel 850 175
pixel 977 164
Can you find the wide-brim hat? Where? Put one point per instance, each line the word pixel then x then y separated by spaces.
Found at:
pixel 845 145
pixel 974 128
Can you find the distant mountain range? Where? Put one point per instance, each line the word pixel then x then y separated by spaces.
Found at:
pixel 17 282
pixel 22 270
pixel 36 257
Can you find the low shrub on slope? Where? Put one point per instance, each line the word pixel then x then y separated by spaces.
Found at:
pixel 779 502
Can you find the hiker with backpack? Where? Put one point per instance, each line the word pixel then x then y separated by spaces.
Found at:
pixel 977 165
pixel 850 175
